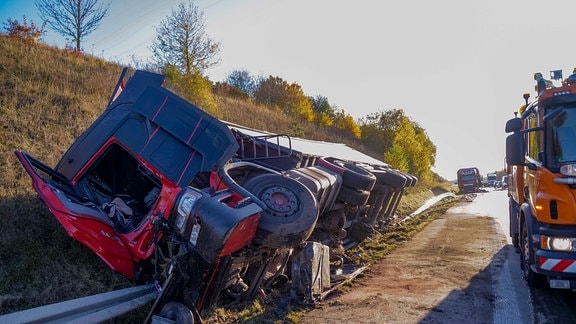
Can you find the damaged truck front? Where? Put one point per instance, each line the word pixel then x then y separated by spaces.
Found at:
pixel 163 193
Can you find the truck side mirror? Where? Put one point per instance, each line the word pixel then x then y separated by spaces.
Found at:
pixel 515 148
pixel 513 125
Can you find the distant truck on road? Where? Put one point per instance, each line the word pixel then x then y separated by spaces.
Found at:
pixel 469 179
pixel 491 179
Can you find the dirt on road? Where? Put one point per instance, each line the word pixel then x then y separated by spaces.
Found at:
pixel 442 275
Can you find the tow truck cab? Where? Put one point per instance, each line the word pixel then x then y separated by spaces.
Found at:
pixel 541 162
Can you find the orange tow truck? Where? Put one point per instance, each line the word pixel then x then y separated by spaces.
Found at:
pixel 541 163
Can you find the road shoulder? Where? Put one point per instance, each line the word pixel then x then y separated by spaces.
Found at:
pixel 442 274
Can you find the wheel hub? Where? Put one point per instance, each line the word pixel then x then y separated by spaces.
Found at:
pixel 280 200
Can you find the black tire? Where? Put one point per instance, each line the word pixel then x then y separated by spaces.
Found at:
pixel 353 196
pixel 413 180
pixel 391 178
pixel 177 312
pixel 355 176
pixel 291 213
pixel 327 164
pixel 516 242
pixel 532 278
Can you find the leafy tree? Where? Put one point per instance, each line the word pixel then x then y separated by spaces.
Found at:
pixel 397 158
pixel 29 32
pixel 275 92
pixel 411 149
pixel 226 90
pixel 320 105
pixel 242 80
pixel 196 88
pixel 325 113
pixel 324 120
pixel 298 104
pixel 74 18
pixel 271 91
pixel 378 129
pixel 344 122
pixel 425 154
pixel 181 41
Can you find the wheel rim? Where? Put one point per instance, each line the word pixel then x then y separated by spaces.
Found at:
pixel 280 200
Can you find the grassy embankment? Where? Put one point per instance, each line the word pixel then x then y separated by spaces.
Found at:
pixel 48 96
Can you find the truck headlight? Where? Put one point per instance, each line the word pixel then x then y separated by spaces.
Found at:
pixel 558 243
pixel 568 170
pixel 185 206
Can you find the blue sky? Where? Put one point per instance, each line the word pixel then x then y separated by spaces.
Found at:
pixel 457 68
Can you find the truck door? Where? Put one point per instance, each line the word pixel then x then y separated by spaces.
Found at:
pixel 81 218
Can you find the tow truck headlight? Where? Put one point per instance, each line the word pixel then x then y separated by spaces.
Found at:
pixel 185 205
pixel 568 170
pixel 558 243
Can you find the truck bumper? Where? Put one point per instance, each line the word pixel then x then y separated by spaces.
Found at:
pixel 559 267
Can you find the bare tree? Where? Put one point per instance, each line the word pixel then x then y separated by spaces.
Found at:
pixel 74 18
pixel 181 41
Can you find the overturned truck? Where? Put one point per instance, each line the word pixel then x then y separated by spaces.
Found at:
pixel 209 212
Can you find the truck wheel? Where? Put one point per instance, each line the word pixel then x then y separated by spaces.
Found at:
pixel 353 176
pixel 516 242
pixel 291 210
pixel 353 196
pixel 391 178
pixel 177 312
pixel 357 177
pixel 324 162
pixel 532 278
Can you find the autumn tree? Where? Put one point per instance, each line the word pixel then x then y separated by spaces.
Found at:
pixel 323 111
pixel 181 41
pixel 345 123
pixel 378 129
pixel 73 18
pixel 195 87
pixel 275 92
pixel 298 104
pixel 271 91
pixel 410 150
pixel 227 90
pixel 29 32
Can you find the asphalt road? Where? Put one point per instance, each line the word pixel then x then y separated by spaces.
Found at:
pixel 515 302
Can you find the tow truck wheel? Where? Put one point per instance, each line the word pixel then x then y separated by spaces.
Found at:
pixel 516 242
pixel 177 312
pixel 532 278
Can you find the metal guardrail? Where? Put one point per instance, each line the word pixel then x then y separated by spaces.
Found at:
pixel 90 309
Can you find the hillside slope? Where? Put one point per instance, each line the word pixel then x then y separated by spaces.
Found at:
pixel 47 98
